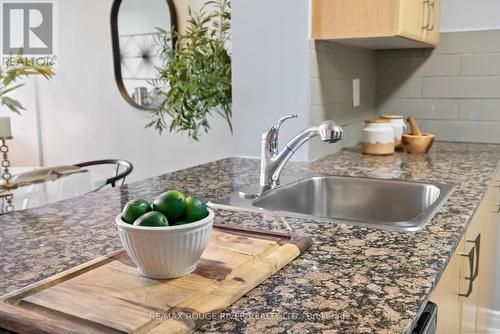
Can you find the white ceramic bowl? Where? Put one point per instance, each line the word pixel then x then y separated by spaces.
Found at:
pixel 166 252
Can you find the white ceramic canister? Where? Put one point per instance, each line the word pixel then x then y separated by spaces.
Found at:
pixel 378 137
pixel 399 125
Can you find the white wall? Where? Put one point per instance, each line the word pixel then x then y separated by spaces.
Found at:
pixel 23 148
pixel 84 117
pixel 270 70
pixel 470 15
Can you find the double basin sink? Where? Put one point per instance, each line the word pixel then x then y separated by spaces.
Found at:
pixel 377 203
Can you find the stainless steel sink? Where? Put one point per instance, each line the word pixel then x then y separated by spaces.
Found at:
pixel 387 204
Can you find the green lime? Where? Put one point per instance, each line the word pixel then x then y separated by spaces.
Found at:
pixel 134 209
pixel 181 222
pixel 171 203
pixel 152 219
pixel 195 209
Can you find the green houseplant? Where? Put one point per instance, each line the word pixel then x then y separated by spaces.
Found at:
pixel 16 68
pixel 195 78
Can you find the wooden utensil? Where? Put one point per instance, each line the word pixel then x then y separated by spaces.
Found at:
pixel 415 130
pixel 416 141
pixel 107 295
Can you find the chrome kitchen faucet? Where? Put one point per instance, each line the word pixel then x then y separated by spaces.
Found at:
pixel 273 160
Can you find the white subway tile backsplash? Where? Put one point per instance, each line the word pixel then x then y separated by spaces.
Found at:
pixel 459 97
pixel 330 65
pixel 325 91
pixel 481 64
pixel 404 66
pixel 464 131
pixel 342 113
pixel 391 87
pixel 483 110
pixel 421 108
pixel 461 87
pixel 397 67
pixel 439 65
pixel 332 68
pixel 321 112
pixel 469 42
pixel 319 64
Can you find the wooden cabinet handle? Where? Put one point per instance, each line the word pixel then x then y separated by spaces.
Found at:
pixel 432 15
pixel 427 17
pixel 497 210
pixel 470 256
pixel 473 257
pixel 477 247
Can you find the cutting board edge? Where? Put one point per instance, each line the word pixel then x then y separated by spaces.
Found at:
pixel 54 279
pixel 44 324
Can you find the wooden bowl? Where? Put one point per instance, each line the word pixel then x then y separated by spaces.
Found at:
pixel 419 144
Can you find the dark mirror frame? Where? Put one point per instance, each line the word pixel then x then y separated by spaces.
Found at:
pixel 115 40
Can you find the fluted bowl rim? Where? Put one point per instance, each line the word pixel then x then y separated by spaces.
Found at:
pixel 166 229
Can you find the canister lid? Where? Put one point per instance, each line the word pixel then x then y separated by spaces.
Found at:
pixel 377 120
pixel 392 116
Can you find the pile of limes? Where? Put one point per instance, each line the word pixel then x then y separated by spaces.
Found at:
pixel 170 208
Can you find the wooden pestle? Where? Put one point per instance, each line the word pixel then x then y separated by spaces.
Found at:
pixel 415 130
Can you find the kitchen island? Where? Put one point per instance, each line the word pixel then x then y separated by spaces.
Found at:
pixel 353 280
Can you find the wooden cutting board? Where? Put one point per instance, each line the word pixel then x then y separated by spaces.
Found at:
pixel 107 295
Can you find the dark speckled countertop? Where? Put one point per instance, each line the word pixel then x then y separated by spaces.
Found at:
pixel 353 279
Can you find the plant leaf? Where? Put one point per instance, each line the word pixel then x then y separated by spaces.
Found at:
pixel 5 91
pixel 15 68
pixel 195 76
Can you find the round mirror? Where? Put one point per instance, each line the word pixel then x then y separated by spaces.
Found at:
pixel 136 52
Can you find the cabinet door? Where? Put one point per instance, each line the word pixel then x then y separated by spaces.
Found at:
pixel 446 296
pixel 340 19
pixel 469 275
pixel 432 16
pixel 411 18
pixel 487 263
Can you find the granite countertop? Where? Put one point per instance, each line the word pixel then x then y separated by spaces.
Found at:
pixel 353 280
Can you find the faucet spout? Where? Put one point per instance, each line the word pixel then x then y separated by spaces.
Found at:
pixel 273 161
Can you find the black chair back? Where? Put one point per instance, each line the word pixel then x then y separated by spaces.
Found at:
pixel 119 176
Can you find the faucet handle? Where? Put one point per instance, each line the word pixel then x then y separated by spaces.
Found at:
pixel 271 136
pixel 282 119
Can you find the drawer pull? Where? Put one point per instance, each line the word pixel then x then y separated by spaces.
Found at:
pixel 470 256
pixel 431 15
pixel 497 210
pixel 477 247
pixel 427 17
